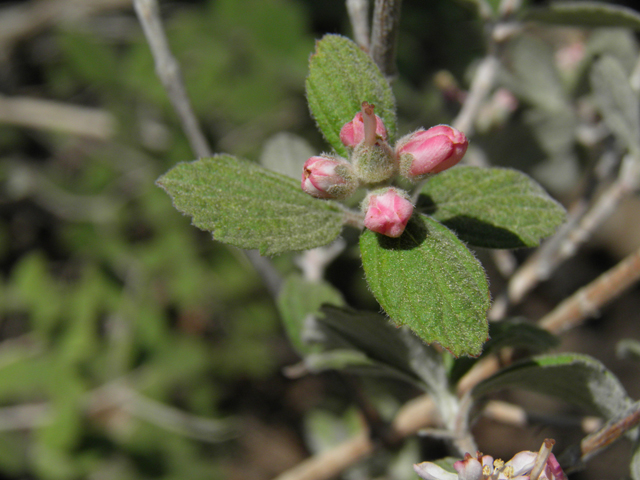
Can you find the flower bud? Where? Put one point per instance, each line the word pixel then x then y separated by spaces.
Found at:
pixel 328 177
pixel 374 163
pixel 387 211
pixel 353 132
pixel 426 152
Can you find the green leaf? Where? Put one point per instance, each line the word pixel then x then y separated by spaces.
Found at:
pixel 394 351
pixel 341 77
pixel 428 280
pixel 585 14
pixel 248 206
pixel 298 299
pixel 617 102
pixel 340 359
pixel 516 332
pixel 577 379
pixel 491 207
pixel 531 74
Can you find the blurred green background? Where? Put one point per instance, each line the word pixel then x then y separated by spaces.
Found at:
pixel 132 346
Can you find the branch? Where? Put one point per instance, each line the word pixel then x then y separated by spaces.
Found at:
pixel 421 413
pixel 413 416
pixel 568 314
pixel 359 16
pixel 481 85
pixel 593 444
pixel 24 417
pixel 169 73
pixel 49 115
pixel 26 19
pixel 586 302
pixel 117 394
pixel 386 19
pixel 582 223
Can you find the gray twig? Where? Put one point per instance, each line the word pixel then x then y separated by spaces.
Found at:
pixel 567 241
pixel 482 83
pixel 386 19
pixel 169 73
pixel 359 16
pixel 168 70
pixel 52 115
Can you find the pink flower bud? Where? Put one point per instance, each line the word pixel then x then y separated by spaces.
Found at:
pixel 353 132
pixel 426 152
pixel 328 177
pixel 387 211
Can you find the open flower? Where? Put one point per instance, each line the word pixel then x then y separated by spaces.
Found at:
pixel 525 465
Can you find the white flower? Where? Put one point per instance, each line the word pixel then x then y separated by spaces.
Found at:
pixel 525 465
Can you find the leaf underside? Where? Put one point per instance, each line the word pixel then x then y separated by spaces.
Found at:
pixel 577 379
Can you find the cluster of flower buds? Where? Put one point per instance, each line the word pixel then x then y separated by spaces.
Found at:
pixel 374 162
pixel 525 465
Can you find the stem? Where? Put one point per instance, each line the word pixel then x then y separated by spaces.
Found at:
pixel 566 242
pixel 611 432
pixel 169 73
pixel 386 19
pixel 481 85
pixel 586 301
pixel 359 16
pixel 412 417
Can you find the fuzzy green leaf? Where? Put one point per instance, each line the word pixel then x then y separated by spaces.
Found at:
pixel 393 351
pixel 616 100
pixel 249 206
pixel 586 14
pixel 341 77
pixel 578 379
pixel 428 280
pixel 491 207
pixel 300 298
pixel 516 332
